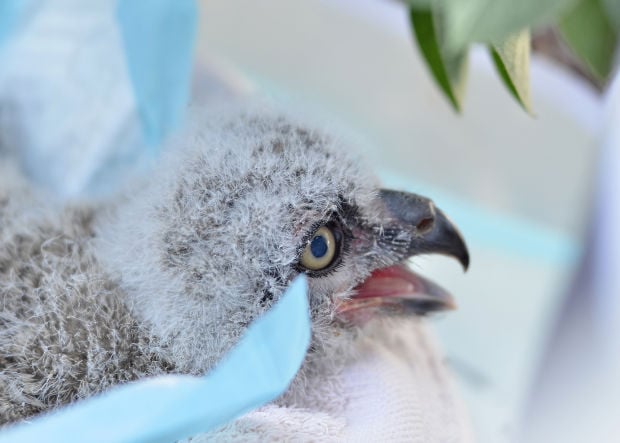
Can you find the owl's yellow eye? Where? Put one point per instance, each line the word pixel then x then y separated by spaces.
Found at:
pixel 320 250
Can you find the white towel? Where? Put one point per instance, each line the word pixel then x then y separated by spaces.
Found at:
pixel 397 389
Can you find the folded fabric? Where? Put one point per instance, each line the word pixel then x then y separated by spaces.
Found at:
pixel 397 389
pixel 88 90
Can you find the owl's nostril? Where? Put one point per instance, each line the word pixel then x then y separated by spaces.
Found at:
pixel 425 225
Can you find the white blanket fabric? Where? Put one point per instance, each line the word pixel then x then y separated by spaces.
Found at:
pixel 396 390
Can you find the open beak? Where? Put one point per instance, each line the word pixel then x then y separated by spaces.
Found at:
pixel 397 289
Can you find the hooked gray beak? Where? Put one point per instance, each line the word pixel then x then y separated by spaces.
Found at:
pixel 432 232
pixel 397 289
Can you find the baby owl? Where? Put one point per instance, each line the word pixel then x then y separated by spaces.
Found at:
pixel 167 278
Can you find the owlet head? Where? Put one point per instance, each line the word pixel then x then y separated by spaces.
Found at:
pixel 246 203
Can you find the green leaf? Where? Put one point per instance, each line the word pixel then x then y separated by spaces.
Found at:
pixel 419 4
pixel 490 21
pixel 589 33
pixel 612 8
pixel 448 71
pixel 512 61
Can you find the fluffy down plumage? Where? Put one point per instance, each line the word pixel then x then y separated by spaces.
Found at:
pixel 168 277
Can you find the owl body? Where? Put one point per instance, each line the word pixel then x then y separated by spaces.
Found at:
pixel 166 278
pixel 65 329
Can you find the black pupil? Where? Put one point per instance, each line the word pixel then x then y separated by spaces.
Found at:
pixel 318 246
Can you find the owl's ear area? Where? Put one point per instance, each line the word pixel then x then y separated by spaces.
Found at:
pixel 431 231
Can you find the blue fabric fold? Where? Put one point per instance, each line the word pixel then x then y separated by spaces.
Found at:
pixel 159 36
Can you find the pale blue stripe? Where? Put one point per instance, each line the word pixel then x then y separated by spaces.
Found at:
pixel 512 235
pixel 168 408
pixel 159 36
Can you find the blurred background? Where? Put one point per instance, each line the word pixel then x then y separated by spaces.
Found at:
pixel 535 193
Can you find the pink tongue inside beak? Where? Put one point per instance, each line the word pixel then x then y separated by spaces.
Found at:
pixel 396 289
